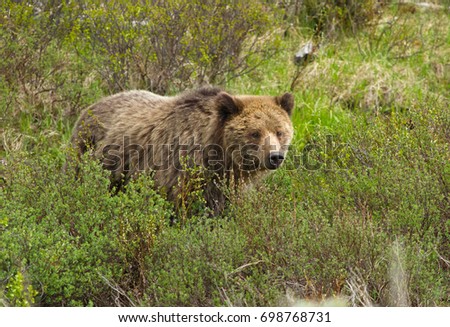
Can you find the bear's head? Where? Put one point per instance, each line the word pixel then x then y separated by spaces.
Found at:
pixel 257 130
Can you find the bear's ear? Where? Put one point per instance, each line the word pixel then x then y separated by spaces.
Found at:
pixel 286 101
pixel 228 105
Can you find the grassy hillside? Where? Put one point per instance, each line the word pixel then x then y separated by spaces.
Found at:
pixel 360 213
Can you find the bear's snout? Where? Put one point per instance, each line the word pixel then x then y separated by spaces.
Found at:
pixel 275 160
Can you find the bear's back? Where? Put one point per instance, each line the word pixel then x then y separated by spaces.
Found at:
pixel 129 101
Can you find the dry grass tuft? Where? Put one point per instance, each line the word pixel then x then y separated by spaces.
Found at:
pixel 370 85
pixel 358 290
pixel 398 278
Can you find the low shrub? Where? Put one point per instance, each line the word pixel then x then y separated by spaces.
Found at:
pixel 77 244
pixel 170 45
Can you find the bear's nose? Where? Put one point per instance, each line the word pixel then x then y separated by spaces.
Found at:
pixel 275 160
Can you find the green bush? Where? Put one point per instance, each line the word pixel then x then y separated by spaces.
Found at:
pixel 191 266
pixel 77 244
pixel 18 293
pixel 170 45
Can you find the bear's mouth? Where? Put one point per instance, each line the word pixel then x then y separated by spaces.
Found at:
pixel 250 163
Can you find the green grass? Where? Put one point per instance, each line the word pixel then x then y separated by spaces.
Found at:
pixel 359 214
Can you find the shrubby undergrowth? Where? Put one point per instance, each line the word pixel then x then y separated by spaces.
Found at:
pixel 71 239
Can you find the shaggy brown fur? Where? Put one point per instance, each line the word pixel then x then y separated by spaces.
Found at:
pixel 236 138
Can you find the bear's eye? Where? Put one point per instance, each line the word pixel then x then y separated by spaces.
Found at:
pixel 255 135
pixel 280 134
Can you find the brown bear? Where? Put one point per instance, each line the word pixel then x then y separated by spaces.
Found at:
pixel 236 139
